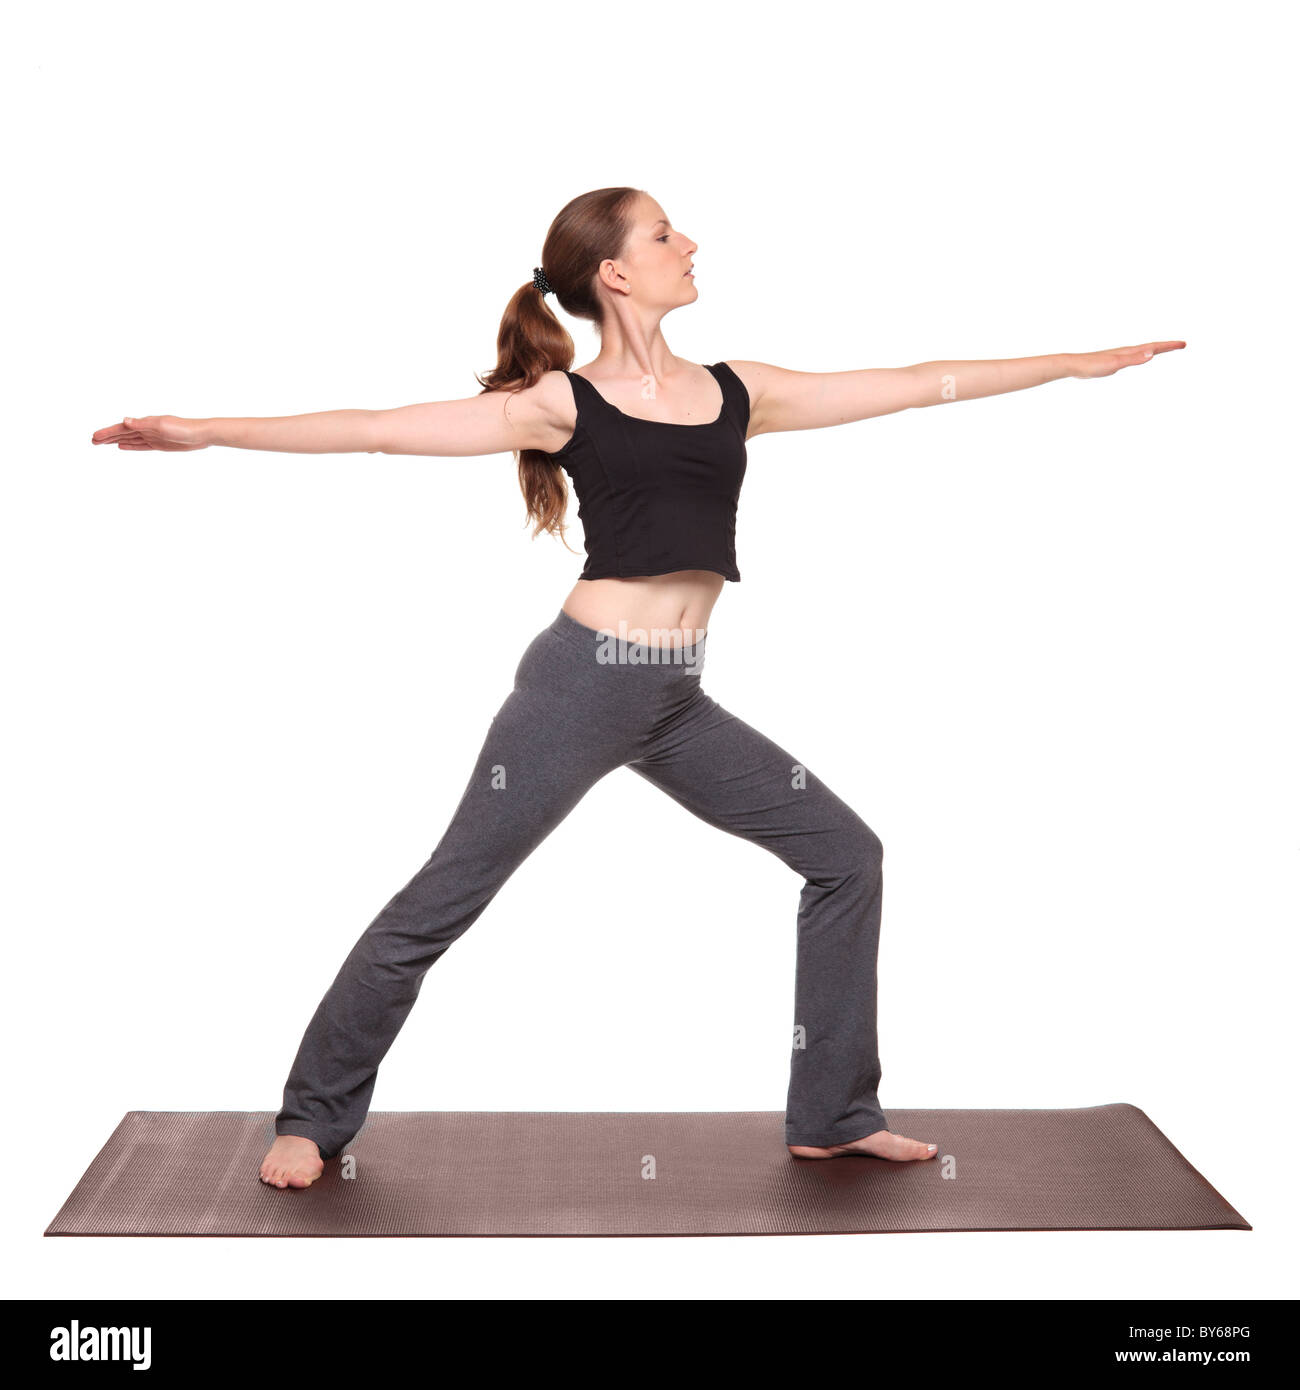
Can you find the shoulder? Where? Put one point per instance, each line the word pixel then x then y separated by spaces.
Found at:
pixel 750 376
pixel 755 375
pixel 763 383
pixel 544 414
pixel 550 399
pixel 549 389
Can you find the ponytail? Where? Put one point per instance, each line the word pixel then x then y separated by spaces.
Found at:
pixel 532 341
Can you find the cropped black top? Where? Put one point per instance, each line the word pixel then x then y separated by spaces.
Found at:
pixel 655 496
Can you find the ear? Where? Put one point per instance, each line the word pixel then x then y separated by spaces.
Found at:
pixel 611 277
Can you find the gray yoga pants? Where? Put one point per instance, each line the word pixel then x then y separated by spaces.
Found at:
pixel 583 705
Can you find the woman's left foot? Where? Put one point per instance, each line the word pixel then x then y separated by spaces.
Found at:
pixel 882 1144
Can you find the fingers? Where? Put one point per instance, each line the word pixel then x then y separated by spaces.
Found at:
pixel 110 434
pixel 1142 352
pixel 1168 346
pixel 1145 351
pixel 134 432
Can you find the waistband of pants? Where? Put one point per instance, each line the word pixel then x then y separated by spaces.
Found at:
pixel 611 644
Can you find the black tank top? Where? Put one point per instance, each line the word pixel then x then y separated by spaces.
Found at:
pixel 654 496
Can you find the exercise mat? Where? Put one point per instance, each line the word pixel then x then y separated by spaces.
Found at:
pixel 692 1173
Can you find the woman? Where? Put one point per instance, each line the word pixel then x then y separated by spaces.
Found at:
pixel 656 449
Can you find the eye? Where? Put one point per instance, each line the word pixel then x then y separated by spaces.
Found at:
pixel 665 237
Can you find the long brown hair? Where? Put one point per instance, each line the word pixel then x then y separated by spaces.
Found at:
pixel 532 341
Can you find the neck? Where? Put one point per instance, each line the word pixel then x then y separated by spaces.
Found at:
pixel 632 343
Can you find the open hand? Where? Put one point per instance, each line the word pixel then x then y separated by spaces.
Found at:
pixel 1092 364
pixel 169 432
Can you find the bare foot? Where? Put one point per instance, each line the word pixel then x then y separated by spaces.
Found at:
pixel 882 1144
pixel 292 1162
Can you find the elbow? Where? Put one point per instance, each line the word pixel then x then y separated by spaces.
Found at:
pixel 376 433
pixel 918 386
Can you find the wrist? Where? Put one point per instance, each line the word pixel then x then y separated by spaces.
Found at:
pixel 207 432
pixel 1069 362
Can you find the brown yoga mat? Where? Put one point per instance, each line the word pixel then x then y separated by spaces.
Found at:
pixel 528 1173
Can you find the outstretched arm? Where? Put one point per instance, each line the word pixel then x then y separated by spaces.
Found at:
pixel 787 400
pixel 490 423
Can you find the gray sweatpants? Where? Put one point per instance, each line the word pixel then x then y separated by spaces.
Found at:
pixel 583 705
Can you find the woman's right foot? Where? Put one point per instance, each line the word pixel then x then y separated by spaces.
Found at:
pixel 881 1144
pixel 292 1162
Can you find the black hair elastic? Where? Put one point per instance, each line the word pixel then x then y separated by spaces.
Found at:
pixel 540 280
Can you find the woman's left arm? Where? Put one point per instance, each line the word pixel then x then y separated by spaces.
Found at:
pixel 786 400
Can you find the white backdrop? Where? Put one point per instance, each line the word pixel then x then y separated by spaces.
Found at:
pixel 1044 643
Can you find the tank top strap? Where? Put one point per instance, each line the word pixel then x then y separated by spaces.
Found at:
pixel 735 398
pixel 585 394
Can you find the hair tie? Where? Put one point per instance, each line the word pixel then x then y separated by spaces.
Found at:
pixel 540 280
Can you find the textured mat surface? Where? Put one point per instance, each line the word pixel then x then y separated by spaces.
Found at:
pixel 429 1173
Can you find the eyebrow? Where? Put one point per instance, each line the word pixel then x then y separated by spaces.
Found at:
pixel 660 223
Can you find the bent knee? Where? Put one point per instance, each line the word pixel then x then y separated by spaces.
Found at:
pixel 859 850
pixel 870 848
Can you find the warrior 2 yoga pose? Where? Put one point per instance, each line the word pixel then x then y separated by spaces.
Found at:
pixel 655 447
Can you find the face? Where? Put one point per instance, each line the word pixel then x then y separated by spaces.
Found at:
pixel 656 262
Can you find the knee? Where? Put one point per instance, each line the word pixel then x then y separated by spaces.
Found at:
pixel 870 849
pixel 861 852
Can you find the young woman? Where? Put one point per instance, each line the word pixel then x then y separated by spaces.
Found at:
pixel 655 447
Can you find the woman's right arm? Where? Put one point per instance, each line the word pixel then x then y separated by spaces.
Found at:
pixel 490 423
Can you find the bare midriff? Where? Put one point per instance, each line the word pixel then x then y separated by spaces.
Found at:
pixel 671 610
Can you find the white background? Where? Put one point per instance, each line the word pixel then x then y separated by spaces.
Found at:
pixel 1043 643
